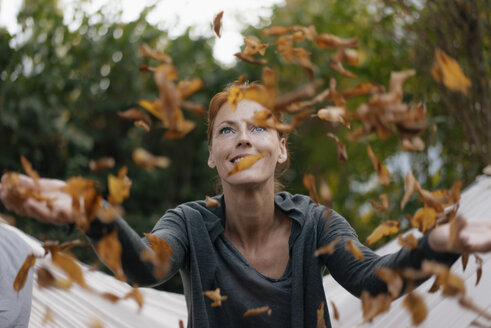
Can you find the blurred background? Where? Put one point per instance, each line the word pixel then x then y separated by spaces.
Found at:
pixel 67 69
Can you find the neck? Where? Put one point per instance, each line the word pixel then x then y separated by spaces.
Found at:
pixel 250 213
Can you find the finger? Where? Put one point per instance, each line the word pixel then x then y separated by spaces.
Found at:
pixel 38 210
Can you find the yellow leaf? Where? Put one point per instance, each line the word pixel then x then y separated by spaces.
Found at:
pixel 388 227
pixel 446 69
pixel 246 162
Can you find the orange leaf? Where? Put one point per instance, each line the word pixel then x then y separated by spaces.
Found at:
pixel 424 219
pixel 309 183
pixel 211 202
pixel 334 114
pixel 45 278
pixel 27 166
pixel 446 69
pixel 254 46
pixel 388 227
pixel 119 187
pixel 188 87
pixel 363 89
pixel 143 125
pixel 69 265
pixel 21 277
pixel 109 250
pixel 48 316
pixel 338 67
pixel 217 23
pixel 321 323
pixel 136 295
pixel 392 279
pixel 354 250
pixel 413 144
pixel 326 41
pixel 340 148
pixel 152 107
pixel 465 260
pixel 410 185
pixel 325 193
pixel 246 162
pixel 256 311
pixel 215 296
pixel 373 306
pixel 146 51
pixel 102 163
pixel 479 269
pixel 384 203
pixel 329 248
pixel 382 172
pixel 250 59
pixel 408 241
pixel 235 95
pixel 276 30
pixel 135 114
pixel 143 158
pixel 416 306
pixel 161 255
pixel 335 310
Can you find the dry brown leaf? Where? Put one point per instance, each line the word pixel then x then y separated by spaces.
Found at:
pixel 382 172
pixel 246 162
pixel 325 194
pixel 479 268
pixel 69 265
pixel 119 187
pixel 27 166
pixel 217 23
pixel 447 70
pixel 392 279
pixel 254 46
pixel 340 148
pixel 321 323
pixel 143 158
pixel 334 115
pixel 134 114
pixel 347 55
pixel 335 310
pixel 235 95
pixel 309 184
pixel 23 273
pixel 415 304
pixel 384 203
pixel 424 219
pixel 354 250
pixel 188 87
pixel 45 278
pixel 338 67
pixel 146 51
pixel 363 89
pixel 142 125
pixel 109 250
pixel 161 255
pixel 96 323
pixel 276 30
pixel 452 285
pixel 215 296
pixel 410 186
pixel 373 306
pixel 329 248
pixel 256 311
pixel 110 297
pixel 408 241
pixel 211 202
pixel 465 260
pixel 181 324
pixel 136 295
pixel 102 163
pixel 327 41
pixel 414 143
pixel 250 59
pixel 388 227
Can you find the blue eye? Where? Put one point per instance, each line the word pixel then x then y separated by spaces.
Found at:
pixel 259 129
pixel 225 130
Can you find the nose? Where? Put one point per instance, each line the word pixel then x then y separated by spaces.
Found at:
pixel 243 138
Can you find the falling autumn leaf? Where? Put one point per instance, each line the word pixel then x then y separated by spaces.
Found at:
pixel 215 296
pixel 325 194
pixel 211 202
pixel 23 273
pixel 110 297
pixel 338 67
pixel 326 41
pixel 335 310
pixel 321 323
pixel 235 95
pixel 408 241
pixel 160 256
pixel 388 227
pixel 384 203
pixel 354 250
pixel 424 219
pixel 382 172
pixel 446 70
pixel 136 295
pixel 217 23
pixel 415 304
pixel 465 260
pixel 119 187
pixel 147 51
pixel 27 166
pixel 363 89
pixel 373 306
pixel 254 46
pixel 143 158
pixel 48 316
pixel 264 309
pixel 102 163
pixel 250 59
pixel 69 265
pixel 392 279
pixel 246 162
pixel 327 249
pixel 134 114
pixel 142 125
pixel 109 250
pixel 309 184
pixel 410 185
pixel 334 115
pixel 479 262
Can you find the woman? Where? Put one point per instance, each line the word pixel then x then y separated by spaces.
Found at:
pixel 258 246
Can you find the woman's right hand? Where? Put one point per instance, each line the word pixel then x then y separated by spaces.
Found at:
pixel 57 211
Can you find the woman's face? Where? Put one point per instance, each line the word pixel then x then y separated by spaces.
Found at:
pixel 233 138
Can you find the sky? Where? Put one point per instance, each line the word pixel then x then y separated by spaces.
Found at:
pixel 175 17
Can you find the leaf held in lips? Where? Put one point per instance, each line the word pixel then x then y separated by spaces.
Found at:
pixel 246 162
pixel 354 250
pixel 309 183
pixel 263 309
pixel 382 172
pixel 447 70
pixel 235 95
pixel 408 241
pixel 388 227
pixel 21 277
pixel 217 23
pixel 211 202
pixel 384 203
pixel 415 304
pixel 321 323
pixel 215 296
pixel 327 249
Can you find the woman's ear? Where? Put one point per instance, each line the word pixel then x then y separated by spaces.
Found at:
pixel 211 163
pixel 283 156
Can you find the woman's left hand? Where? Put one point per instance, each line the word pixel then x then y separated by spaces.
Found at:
pixel 475 236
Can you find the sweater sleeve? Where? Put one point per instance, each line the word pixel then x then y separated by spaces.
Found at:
pixel 355 275
pixel 171 228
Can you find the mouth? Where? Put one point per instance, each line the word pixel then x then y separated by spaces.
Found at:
pixel 238 158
